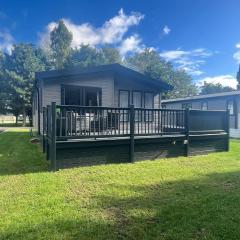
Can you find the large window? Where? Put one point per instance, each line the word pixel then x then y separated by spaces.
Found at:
pixel 83 96
pixel 137 102
pixel 230 106
pixel 124 103
pixel 148 100
pixel 148 103
pixel 123 98
pixel 204 105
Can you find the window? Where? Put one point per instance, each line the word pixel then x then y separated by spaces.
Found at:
pixel 204 105
pixel 230 107
pixel 186 105
pixel 93 97
pixel 137 102
pixel 164 106
pixel 84 96
pixel 148 103
pixel 123 98
pixel 124 103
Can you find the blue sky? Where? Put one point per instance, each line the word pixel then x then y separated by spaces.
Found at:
pixel 203 36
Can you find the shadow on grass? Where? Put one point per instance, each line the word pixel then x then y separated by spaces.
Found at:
pixel 18 155
pixel 204 208
pixel 13 125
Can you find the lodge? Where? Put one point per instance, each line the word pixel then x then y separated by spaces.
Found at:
pixel 111 114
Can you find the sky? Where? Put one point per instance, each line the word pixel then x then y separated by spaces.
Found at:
pixel 200 36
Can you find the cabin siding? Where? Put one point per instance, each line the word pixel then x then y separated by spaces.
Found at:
pixel 52 90
pixel 110 85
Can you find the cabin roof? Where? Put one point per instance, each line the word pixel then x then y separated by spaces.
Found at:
pixel 104 69
pixel 206 96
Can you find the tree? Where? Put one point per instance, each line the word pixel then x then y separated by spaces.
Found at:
pixel 209 88
pixel 150 63
pixel 238 78
pixel 182 83
pixel 19 70
pixel 3 87
pixel 85 56
pixel 61 40
pixel 111 55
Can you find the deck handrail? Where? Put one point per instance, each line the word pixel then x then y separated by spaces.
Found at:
pixel 74 121
pixel 68 122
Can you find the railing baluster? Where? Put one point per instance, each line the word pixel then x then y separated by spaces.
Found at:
pixel 92 122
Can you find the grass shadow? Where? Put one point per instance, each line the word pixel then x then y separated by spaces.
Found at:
pixel 203 208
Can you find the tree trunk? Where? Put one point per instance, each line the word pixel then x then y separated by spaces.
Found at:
pixel 24 118
pixel 16 122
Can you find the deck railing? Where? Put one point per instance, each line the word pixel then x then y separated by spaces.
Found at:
pixel 64 122
pixel 97 122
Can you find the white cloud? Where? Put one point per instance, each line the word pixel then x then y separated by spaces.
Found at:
pixel 111 32
pixel 166 30
pixel 225 80
pixel 131 44
pixel 190 60
pixel 6 41
pixel 237 45
pixel 236 56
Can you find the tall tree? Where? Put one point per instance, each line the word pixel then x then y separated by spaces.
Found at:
pixel 61 40
pixel 238 78
pixel 85 56
pixel 209 88
pixel 111 55
pixel 20 68
pixel 150 63
pixel 3 86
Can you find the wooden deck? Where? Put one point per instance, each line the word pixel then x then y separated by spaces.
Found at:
pixel 76 135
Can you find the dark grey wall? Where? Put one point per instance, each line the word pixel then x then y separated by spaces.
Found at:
pixel 213 104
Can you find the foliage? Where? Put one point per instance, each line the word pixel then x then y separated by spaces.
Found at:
pixel 209 88
pixel 238 78
pixel 3 87
pixel 19 76
pixel 61 40
pixel 86 56
pixel 150 63
pixel 178 198
pixel 111 55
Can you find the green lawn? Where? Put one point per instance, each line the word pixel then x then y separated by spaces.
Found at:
pixel 179 198
pixel 11 124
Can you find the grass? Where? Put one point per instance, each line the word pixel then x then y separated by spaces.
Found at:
pixel 10 124
pixel 179 198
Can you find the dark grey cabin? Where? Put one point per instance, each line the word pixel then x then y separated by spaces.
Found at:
pixel 110 114
pixel 107 85
pixel 218 101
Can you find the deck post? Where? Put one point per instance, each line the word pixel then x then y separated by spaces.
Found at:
pixel 227 126
pixel 132 130
pixel 44 131
pixel 53 145
pixel 187 112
